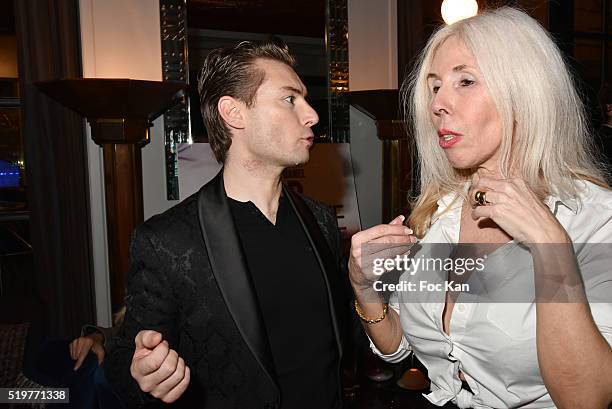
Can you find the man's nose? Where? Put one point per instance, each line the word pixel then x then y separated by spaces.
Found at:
pixel 310 116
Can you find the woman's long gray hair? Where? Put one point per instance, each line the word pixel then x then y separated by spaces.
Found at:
pixel 545 137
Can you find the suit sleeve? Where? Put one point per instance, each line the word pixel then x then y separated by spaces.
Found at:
pixel 357 335
pixel 149 305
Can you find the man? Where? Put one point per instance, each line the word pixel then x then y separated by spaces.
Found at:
pixel 235 296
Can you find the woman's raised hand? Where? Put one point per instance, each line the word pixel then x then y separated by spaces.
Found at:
pixel 384 241
pixel 516 209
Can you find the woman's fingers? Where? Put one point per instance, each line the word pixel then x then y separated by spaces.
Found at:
pixel 378 242
pixel 382 244
pixel 393 239
pixel 398 220
pixel 485 183
pixel 484 212
pixel 379 231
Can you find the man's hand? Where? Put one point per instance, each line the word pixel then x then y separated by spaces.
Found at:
pixel 157 368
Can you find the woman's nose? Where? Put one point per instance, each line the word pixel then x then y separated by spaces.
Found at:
pixel 441 102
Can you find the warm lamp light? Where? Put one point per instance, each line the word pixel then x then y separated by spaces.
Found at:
pixel 455 10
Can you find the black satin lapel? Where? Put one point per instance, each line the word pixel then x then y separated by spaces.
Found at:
pixel 324 257
pixel 230 270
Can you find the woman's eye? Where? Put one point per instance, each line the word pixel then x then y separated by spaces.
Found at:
pixel 467 82
pixel 435 89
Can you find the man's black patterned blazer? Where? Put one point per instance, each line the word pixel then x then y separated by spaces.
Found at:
pixel 188 280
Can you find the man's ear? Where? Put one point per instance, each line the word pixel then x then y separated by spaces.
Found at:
pixel 232 112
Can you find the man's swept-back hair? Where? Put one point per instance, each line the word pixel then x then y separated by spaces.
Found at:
pixel 545 137
pixel 231 71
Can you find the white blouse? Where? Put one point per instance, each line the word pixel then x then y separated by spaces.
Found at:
pixel 494 344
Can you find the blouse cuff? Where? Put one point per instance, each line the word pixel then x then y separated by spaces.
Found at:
pixel 403 350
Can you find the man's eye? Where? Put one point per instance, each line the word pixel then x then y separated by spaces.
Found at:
pixel 290 99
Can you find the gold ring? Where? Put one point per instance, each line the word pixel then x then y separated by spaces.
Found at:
pixel 480 197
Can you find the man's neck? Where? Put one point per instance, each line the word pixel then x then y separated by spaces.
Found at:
pixel 248 181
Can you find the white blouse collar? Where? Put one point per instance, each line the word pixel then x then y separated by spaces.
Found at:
pixel 449 204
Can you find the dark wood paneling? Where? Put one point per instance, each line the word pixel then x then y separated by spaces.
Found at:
pixel 7 22
pixel 561 24
pixel 410 34
pixel 124 211
pixel 56 161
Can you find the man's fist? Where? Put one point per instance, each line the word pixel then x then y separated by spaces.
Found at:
pixel 157 368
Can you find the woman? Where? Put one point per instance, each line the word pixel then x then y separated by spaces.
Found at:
pixel 506 160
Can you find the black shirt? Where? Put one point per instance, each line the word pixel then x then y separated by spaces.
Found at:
pixel 293 300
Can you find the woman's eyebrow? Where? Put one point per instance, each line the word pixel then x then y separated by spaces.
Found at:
pixel 462 67
pixel 457 68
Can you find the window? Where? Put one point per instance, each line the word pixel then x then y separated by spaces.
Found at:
pixel 12 175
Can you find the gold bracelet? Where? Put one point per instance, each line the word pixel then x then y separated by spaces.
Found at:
pixel 371 321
